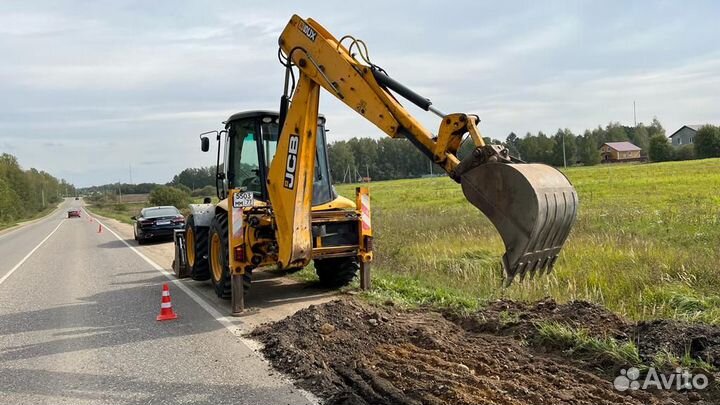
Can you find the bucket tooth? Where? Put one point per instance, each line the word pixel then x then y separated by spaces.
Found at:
pixel 532 206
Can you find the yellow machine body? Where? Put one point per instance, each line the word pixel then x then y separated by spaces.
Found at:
pixel 279 208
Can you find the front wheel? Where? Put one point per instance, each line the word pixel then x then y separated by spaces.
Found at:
pixel 336 272
pixel 219 258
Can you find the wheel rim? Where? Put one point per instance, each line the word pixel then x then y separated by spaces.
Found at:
pixel 216 259
pixel 190 246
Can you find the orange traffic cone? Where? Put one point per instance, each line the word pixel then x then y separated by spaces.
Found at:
pixel 99 228
pixel 166 311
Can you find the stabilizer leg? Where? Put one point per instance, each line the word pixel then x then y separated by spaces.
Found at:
pixel 238 295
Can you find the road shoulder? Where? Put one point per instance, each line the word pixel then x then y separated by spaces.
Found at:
pixel 272 296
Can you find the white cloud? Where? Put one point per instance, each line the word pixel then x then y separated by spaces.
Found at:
pixel 121 82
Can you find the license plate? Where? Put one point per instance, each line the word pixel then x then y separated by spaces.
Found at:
pixel 244 199
pixel 162 223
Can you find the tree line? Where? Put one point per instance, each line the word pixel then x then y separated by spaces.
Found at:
pixel 24 193
pixel 196 182
pixel 388 159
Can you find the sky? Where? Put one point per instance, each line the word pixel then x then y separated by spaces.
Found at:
pixel 97 91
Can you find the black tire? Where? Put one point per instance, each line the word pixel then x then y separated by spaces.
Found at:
pixel 222 281
pixel 199 267
pixel 218 259
pixel 336 272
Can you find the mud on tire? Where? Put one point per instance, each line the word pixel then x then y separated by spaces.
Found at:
pixel 198 235
pixel 336 272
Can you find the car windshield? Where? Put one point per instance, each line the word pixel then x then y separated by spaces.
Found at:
pixel 160 212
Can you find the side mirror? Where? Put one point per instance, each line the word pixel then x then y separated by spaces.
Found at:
pixel 134 218
pixel 204 144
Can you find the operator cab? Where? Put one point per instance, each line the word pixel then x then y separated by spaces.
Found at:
pixel 250 145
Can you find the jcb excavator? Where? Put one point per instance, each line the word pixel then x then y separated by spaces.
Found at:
pixel 279 209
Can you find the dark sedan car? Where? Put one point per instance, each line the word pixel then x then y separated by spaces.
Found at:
pixel 73 213
pixel 157 222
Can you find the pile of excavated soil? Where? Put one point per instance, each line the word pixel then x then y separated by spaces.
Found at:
pixel 509 318
pixel 350 352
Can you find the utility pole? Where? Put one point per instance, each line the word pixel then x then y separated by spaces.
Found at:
pixel 119 191
pixel 130 165
pixel 42 192
pixel 564 160
pixel 634 114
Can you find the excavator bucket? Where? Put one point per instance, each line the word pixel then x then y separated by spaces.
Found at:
pixel 533 207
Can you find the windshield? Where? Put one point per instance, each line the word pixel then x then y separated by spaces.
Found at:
pixel 159 212
pixel 257 137
pixel 244 168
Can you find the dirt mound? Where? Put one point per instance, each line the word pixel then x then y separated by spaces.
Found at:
pixel 510 318
pixel 680 338
pixel 519 320
pixel 352 353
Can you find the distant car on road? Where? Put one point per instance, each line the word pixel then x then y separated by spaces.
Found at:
pixel 74 213
pixel 77 198
pixel 157 222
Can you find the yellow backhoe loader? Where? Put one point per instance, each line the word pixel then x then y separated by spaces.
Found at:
pixel 279 209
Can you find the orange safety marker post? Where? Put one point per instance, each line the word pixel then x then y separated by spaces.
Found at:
pixel 166 311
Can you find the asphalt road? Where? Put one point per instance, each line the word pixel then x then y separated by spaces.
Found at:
pixel 77 326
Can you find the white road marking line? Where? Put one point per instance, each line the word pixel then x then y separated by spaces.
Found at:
pixel 17 266
pixel 225 321
pixel 233 327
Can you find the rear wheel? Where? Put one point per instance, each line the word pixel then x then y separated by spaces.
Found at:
pixel 336 272
pixel 196 243
pixel 219 259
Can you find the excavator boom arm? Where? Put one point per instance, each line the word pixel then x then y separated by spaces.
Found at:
pixel 365 89
pixel 532 206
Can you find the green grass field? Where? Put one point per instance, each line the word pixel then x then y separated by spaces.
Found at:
pixel 119 211
pixel 646 243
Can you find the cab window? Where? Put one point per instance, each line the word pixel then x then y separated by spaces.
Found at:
pixel 244 171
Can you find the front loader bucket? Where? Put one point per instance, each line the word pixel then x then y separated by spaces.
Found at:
pixel 533 207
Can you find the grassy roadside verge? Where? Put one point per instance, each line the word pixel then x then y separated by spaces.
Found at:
pixel 37 215
pixel 120 211
pixel 644 246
